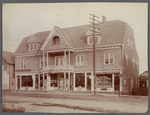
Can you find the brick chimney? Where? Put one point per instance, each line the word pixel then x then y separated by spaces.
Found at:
pixel 104 19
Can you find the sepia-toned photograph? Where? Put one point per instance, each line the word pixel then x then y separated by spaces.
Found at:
pixel 75 57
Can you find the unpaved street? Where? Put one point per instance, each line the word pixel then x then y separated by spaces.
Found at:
pixel 32 102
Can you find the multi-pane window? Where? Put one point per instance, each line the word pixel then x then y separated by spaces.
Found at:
pixel 131 45
pixel 23 64
pixel 133 62
pixel 32 46
pixel 56 40
pixel 59 60
pixel 41 63
pixel 80 60
pixel 109 58
pixel 128 42
pixel 126 59
pixel 97 39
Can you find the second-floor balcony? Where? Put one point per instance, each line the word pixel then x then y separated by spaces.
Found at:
pixel 64 67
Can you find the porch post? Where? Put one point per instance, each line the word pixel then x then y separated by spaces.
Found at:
pixel 74 81
pixel 47 58
pixel 113 81
pixel 64 80
pixel 43 69
pixel 16 81
pixel 92 82
pixel 43 80
pixel 69 59
pixel 20 82
pixel 85 81
pixel 33 77
pixel 69 81
pixel 65 58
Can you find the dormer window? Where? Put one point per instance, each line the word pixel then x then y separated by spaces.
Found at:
pixel 56 40
pixel 32 46
pixel 90 39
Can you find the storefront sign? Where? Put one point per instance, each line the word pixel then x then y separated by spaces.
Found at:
pixel 104 82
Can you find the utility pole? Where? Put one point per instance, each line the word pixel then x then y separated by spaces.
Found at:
pixel 94 27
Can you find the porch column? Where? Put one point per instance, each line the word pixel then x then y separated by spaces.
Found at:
pixel 47 58
pixel 65 58
pixel 43 61
pixel 43 81
pixel 33 77
pixel 85 81
pixel 43 68
pixel 69 59
pixel 113 81
pixel 49 80
pixel 69 81
pixel 64 80
pixel 58 80
pixel 92 82
pixel 16 81
pixel 74 81
pixel 20 82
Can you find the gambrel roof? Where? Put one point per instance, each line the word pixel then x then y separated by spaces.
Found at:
pixel 75 37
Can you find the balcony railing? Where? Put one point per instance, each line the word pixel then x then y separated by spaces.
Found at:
pixel 49 67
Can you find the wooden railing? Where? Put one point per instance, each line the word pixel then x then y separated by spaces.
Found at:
pixel 49 67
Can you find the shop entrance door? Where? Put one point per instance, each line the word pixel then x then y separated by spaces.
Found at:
pixel 36 82
pixel 88 83
pixel 116 82
pixel 18 84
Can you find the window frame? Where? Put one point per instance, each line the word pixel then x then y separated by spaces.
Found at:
pixel 56 40
pixel 24 62
pixel 59 60
pixel 108 58
pixel 80 63
pixel 41 63
pixel 89 37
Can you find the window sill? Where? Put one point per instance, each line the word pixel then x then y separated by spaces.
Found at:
pixel 109 64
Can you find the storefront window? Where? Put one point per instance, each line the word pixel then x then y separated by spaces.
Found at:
pixel 27 81
pixel 53 80
pixel 104 80
pixel 80 80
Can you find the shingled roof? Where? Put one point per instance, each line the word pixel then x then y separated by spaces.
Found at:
pixel 113 33
pixel 8 57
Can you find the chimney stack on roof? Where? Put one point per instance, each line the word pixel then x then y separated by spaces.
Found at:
pixel 104 19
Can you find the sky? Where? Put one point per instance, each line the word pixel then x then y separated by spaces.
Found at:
pixel 20 20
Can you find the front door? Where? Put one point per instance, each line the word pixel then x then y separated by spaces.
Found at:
pixel 18 84
pixel 88 83
pixel 116 83
pixel 36 82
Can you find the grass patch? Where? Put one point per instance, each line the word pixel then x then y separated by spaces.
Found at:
pixel 13 109
pixel 79 107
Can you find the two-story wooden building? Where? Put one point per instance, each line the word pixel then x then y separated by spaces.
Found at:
pixel 8 68
pixel 63 59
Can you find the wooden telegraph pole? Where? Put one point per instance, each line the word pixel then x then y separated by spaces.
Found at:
pixel 94 27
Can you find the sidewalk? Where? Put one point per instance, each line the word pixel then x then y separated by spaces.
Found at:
pixel 77 94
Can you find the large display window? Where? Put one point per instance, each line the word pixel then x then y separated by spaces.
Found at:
pixel 80 80
pixel 27 81
pixel 104 81
pixel 53 80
